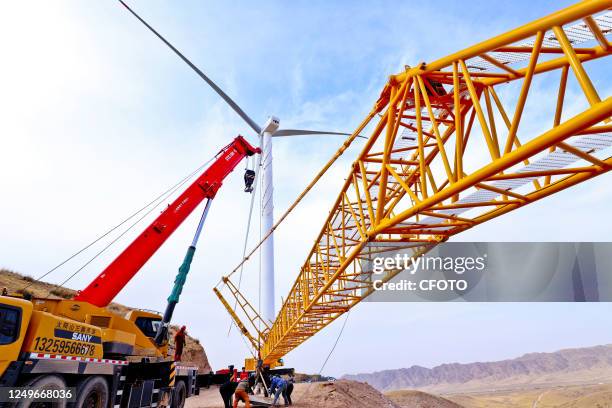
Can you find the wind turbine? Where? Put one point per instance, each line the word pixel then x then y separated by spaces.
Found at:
pixel 269 131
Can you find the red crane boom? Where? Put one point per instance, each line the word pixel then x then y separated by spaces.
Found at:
pixel 103 289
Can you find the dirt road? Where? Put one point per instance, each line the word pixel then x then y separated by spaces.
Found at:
pixel 340 394
pixel 210 398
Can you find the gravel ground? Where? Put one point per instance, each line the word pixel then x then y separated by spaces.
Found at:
pixel 340 394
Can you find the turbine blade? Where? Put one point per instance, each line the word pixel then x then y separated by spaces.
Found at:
pixel 209 81
pixel 303 132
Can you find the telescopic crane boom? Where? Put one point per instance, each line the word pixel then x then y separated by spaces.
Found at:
pixel 113 279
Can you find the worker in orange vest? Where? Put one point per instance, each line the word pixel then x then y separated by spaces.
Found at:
pixel 242 393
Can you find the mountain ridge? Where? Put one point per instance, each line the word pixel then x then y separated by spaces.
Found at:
pixel 587 364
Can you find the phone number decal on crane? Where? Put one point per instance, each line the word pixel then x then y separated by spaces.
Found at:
pixel 60 346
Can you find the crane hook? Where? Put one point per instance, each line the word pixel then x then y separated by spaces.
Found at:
pixel 249 178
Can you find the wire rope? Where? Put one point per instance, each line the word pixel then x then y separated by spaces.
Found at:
pixel 330 353
pixel 248 229
pixel 155 202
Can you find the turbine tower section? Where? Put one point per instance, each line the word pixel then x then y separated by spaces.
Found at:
pixel 267 215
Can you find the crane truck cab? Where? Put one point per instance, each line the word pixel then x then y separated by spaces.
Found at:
pixel 147 321
pixel 98 357
pixel 14 319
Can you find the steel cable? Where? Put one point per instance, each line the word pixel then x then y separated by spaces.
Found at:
pixel 248 227
pixel 155 201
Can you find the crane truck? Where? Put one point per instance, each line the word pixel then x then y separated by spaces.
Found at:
pixel 102 359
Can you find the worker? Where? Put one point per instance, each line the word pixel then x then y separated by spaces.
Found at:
pixel 179 343
pixel 227 388
pixel 266 380
pixel 241 393
pixel 208 379
pixel 4 292
pixel 290 382
pixel 261 379
pixel 278 387
pixel 252 382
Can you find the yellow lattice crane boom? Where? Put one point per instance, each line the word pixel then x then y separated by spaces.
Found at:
pixel 449 150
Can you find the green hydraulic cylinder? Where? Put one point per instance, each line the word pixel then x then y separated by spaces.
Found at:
pixel 179 281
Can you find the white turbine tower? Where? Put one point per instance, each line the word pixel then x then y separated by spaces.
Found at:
pixel 269 131
pixel 267 222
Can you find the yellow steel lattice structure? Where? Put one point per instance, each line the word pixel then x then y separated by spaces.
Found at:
pixel 257 323
pixel 449 150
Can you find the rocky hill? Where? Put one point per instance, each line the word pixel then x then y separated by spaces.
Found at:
pixel 193 353
pixel 584 365
pixel 413 399
pixel 341 394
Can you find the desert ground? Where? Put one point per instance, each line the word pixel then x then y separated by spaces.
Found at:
pixel 340 394
pixel 350 394
pixel 574 396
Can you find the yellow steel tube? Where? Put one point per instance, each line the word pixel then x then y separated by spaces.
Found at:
pixel 567 15
pixel 548 190
pixel 402 183
pixel 436 130
pixel 581 154
pixel 581 75
pixel 594 115
pixel 477 107
pixel 551 65
pixel 458 124
pixel 520 104
pixel 559 107
pixel 421 150
pixel 498 64
pixel 366 189
pixel 392 114
pixel 599 36
pixel 236 319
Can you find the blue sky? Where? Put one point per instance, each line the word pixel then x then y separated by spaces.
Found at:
pixel 98 117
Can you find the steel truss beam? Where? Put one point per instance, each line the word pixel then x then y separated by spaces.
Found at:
pixel 446 155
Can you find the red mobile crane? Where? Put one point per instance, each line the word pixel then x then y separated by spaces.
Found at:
pixel 111 280
pixel 111 360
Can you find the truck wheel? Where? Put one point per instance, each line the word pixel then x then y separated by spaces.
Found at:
pixel 180 394
pixel 45 382
pixel 92 393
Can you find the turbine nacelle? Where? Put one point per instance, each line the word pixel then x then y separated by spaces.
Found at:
pixel 271 125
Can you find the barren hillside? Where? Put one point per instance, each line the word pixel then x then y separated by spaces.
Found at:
pixel 194 352
pixel 592 396
pixel 566 367
pixel 411 399
pixel 339 394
